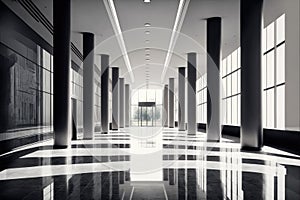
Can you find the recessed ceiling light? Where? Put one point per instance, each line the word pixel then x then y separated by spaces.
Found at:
pixel 147 1
pixel 147 41
pixel 147 50
pixel 147 59
pixel 147 32
pixel 147 55
pixel 147 24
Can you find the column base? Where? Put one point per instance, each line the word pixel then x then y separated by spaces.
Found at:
pixel 251 148
pixel 60 146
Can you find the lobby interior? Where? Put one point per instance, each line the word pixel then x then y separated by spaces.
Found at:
pixel 149 99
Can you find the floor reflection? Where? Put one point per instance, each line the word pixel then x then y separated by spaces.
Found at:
pixel 164 164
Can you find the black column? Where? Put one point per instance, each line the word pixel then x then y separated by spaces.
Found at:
pixel 122 102
pixel 127 105
pixel 181 98
pixel 104 92
pixel 213 78
pixel 115 98
pixel 165 106
pixel 88 85
pixel 191 87
pixel 171 103
pixel 251 89
pixel 61 72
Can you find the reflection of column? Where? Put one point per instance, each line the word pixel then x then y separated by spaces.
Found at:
pixel 251 89
pixel 88 85
pixel 104 92
pixel 122 103
pixel 181 184
pixel 105 185
pixel 181 98
pixel 115 98
pixel 165 174
pixel 127 105
pixel 166 106
pixel 192 74
pixel 61 83
pixel 115 185
pixel 171 176
pixel 171 103
pixel 191 184
pixel 213 78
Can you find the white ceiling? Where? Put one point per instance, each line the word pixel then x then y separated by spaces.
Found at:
pixel 91 16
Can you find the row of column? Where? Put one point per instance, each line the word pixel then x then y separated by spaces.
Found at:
pixel 251 112
pixel 251 125
pixel 61 83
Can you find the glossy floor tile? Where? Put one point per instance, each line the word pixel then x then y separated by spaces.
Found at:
pixel 149 163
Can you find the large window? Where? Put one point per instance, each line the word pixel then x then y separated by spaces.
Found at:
pixel 231 88
pixel 273 74
pixel 201 99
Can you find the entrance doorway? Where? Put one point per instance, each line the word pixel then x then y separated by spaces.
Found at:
pixel 146 112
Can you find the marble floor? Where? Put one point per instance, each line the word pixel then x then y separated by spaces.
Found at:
pixel 148 163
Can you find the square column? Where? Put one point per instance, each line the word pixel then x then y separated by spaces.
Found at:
pixel 181 98
pixel 191 87
pixel 61 70
pixel 171 103
pixel 104 92
pixel 88 85
pixel 251 88
pixel 165 106
pixel 127 105
pixel 115 98
pixel 122 102
pixel 213 79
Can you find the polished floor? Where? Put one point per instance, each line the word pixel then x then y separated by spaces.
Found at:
pixel 149 163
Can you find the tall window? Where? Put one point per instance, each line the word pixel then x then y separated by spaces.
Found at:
pixel 231 88
pixel 202 99
pixel 274 74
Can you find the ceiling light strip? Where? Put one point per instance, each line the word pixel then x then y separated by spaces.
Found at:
pixel 112 13
pixel 182 8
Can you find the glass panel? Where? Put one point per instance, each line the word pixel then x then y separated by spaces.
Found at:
pixel 280 64
pixel 264 71
pixel 228 86
pixel 280 29
pixel 264 40
pixel 229 111
pixel 224 65
pixel 264 109
pixel 234 83
pixel 234 60
pixel 234 110
pixel 270 108
pixel 270 36
pixel 239 110
pixel 280 107
pixel 270 69
pixel 46 60
pixel 135 97
pixel 229 64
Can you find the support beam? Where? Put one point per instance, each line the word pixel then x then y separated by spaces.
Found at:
pixel 127 105
pixel 122 102
pixel 171 103
pixel 165 106
pixel 191 87
pixel 88 85
pixel 104 92
pixel 115 98
pixel 181 98
pixel 251 89
pixel 213 78
pixel 61 79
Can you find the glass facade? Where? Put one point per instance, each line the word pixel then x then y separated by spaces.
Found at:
pixel 231 88
pixel 201 99
pixel 27 88
pixel 273 77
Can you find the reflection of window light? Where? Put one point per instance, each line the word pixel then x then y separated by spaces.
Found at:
pixel 48 192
